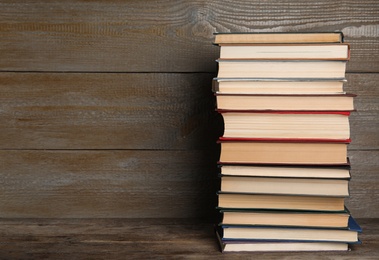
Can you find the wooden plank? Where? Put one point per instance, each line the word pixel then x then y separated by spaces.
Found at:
pixel 106 111
pixel 364 130
pixel 183 184
pixel 363 151
pixel 166 36
pixel 114 184
pixel 364 85
pixel 135 111
pixel 364 184
pixel 144 239
pixel 364 123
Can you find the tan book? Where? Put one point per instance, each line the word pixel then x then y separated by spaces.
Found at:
pixel 289 186
pixel 285 218
pixel 280 202
pixel 285 37
pixel 283 152
pixel 336 102
pixel 322 125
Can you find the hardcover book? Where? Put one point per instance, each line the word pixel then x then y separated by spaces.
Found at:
pixel 233 245
pixel 302 171
pixel 280 202
pixel 278 246
pixel 336 102
pixel 281 69
pixel 346 235
pixel 278 86
pixel 285 218
pixel 289 51
pixel 289 186
pixel 279 37
pixel 276 151
pixel 286 124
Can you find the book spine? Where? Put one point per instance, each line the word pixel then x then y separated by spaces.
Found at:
pixel 283 140
pixel 345 113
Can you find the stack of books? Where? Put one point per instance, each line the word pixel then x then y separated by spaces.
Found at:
pixel 283 162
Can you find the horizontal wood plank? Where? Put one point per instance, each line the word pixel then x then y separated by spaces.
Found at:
pixel 364 130
pixel 166 36
pixel 135 111
pixel 142 184
pixel 144 239
pixel 364 183
pixel 106 111
pixel 364 85
pixel 114 184
pixel 364 122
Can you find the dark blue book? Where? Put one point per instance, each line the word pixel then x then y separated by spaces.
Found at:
pixel 299 234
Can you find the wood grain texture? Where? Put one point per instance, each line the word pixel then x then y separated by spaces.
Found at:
pixel 115 184
pixel 128 131
pixel 82 183
pixel 364 184
pixel 144 239
pixel 136 111
pixel 166 36
pixel 364 122
pixel 106 111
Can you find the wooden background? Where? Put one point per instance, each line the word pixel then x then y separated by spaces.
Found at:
pixel 106 107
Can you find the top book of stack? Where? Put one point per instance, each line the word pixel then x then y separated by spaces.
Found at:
pixel 253 38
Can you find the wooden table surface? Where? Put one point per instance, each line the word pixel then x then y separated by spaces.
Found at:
pixel 143 239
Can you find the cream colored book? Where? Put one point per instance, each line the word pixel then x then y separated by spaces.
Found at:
pixel 281 69
pixel 336 102
pixel 286 51
pixel 246 246
pixel 326 125
pixel 286 171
